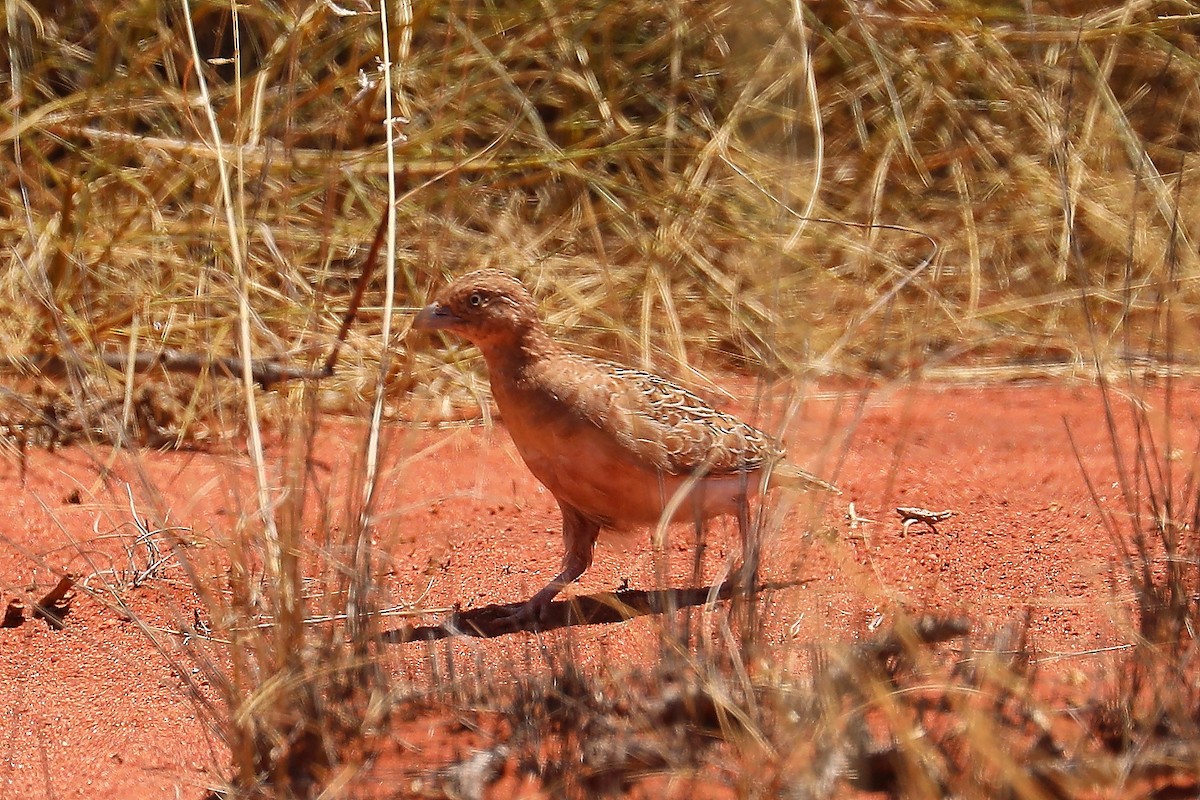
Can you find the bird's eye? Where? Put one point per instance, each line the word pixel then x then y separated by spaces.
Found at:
pixel 475 300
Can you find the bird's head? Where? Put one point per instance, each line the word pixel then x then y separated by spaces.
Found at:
pixel 487 307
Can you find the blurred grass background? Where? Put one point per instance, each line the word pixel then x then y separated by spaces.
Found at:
pixel 653 170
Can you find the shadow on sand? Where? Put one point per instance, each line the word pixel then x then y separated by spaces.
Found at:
pixel 602 608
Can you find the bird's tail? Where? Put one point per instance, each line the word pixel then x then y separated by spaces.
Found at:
pixel 790 477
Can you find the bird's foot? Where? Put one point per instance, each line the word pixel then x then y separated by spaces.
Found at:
pixel 526 616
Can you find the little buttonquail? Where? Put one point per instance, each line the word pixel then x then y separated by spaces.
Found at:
pixel 616 446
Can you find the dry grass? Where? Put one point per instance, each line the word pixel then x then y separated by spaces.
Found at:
pixel 711 184
pixel 652 171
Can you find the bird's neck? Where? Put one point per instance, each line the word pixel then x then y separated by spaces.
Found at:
pixel 508 358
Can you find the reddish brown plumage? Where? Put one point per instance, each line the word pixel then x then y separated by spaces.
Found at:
pixel 615 446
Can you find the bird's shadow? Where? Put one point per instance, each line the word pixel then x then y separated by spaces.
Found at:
pixel 602 608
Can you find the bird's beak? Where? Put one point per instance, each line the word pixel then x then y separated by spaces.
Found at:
pixel 435 317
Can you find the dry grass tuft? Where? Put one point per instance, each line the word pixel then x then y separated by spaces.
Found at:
pixel 653 171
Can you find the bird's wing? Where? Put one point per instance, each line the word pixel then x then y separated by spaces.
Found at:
pixel 656 421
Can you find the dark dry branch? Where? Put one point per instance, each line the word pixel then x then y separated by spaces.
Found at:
pixel 364 280
pixel 266 372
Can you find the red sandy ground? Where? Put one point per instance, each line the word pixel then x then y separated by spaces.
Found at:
pixel 94 710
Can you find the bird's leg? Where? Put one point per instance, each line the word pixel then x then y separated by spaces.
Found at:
pixel 697 500
pixel 745 592
pixel 701 541
pixel 579 539
pixel 750 545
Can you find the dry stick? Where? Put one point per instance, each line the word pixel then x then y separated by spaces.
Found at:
pixel 265 372
pixel 356 298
